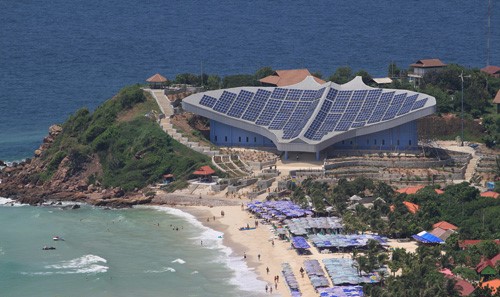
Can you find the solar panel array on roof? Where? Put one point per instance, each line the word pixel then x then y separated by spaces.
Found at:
pixel 289 110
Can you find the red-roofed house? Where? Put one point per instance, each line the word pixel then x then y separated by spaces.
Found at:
pixel 412 207
pixel 491 70
pixel 487 266
pixel 490 194
pixel 493 284
pixel 415 189
pixel 464 244
pixel 422 67
pixel 496 101
pixel 281 78
pixel 463 287
pixel 445 225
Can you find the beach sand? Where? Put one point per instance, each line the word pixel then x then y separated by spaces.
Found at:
pixel 258 241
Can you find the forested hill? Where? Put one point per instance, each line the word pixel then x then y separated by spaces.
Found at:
pixel 116 149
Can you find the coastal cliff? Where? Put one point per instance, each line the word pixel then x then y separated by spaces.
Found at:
pixel 107 157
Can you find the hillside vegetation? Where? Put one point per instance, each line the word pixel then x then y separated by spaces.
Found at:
pixel 130 147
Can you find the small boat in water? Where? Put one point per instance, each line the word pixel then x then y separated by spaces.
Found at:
pixel 57 238
pixel 48 248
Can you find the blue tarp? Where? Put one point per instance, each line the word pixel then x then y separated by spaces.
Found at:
pixel 300 242
pixel 426 237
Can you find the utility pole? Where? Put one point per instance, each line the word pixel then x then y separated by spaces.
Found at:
pixel 489 35
pixel 201 77
pixel 462 114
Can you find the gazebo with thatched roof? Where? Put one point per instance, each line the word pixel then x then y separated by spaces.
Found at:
pixel 157 81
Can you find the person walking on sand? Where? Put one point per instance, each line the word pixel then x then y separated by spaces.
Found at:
pixel 244 255
pixel 258 256
pixel 302 272
pixel 267 270
pixel 270 289
pixel 267 288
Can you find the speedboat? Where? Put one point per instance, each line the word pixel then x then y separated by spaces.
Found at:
pixel 46 248
pixel 57 238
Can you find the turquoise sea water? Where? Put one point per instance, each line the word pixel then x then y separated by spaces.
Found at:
pixel 57 56
pixel 115 253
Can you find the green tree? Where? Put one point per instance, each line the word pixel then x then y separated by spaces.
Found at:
pixel 263 72
pixel 342 75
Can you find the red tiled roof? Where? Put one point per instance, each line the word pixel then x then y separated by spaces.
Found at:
pixel 204 170
pixel 463 287
pixel 445 225
pixel 491 70
pixel 490 194
pixel 428 63
pixel 282 78
pixel 410 190
pixel 468 242
pixel 497 98
pixel 415 189
pixel 493 284
pixel 412 207
pixel 487 262
pixel 157 78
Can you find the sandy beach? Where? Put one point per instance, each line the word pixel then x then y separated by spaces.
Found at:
pixel 253 243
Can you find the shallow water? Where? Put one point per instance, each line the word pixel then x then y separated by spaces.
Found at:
pixel 115 253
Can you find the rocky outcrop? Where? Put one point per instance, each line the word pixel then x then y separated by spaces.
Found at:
pixel 26 183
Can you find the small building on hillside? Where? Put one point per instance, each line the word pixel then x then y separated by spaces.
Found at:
pixel 445 226
pixel 491 70
pixel 465 244
pixel 281 78
pixel 422 67
pixel 382 81
pixel 490 194
pixel 494 285
pixel 487 267
pixel 496 101
pixel 157 81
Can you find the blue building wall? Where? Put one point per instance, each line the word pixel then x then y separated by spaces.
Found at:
pixel 403 137
pixel 225 135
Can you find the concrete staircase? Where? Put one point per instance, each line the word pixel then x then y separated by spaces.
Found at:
pixel 167 109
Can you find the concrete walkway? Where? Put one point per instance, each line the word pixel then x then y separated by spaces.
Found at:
pixel 167 109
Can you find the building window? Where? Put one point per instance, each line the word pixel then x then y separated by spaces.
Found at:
pixel 409 142
pixel 239 139
pixel 255 139
pixel 375 141
pixel 225 138
pixel 247 138
pixel 215 137
pixel 367 141
pixel 383 141
pixel 398 141
pixel 351 142
pixel 343 141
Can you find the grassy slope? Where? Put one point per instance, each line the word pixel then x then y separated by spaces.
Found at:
pixel 131 148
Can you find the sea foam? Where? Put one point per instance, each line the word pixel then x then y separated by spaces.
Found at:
pixel 85 264
pixel 244 277
pixel 180 261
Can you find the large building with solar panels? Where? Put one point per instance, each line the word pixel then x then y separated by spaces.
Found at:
pixel 313 117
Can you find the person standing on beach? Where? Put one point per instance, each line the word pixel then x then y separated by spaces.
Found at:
pixel 258 256
pixel 244 255
pixel 267 288
pixel 267 270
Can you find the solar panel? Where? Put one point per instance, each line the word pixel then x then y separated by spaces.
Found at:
pixel 357 125
pixel 315 125
pixel 332 94
pixel 398 99
pixel 240 104
pixel 225 101
pixel 279 93
pixel 283 115
pixel 294 94
pixel 256 106
pixel 269 112
pixel 208 101
pixel 419 104
pixel 391 112
pixel 308 95
pixel 343 126
pixel 408 103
